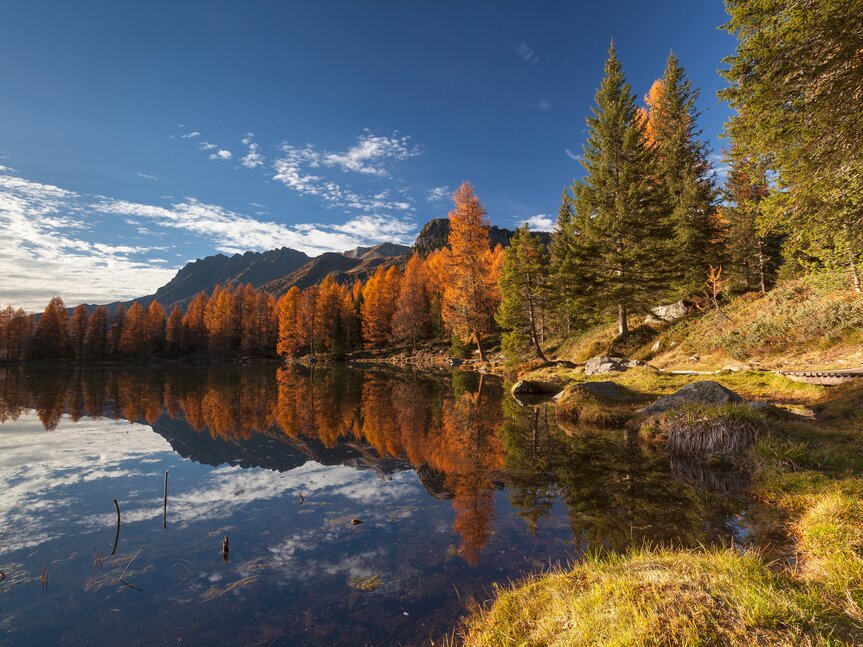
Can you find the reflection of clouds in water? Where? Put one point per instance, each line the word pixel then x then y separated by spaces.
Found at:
pixel 41 470
pixel 39 467
pixel 228 489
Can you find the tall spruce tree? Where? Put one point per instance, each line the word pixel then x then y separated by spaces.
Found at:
pixel 621 207
pixel 683 167
pixel 524 286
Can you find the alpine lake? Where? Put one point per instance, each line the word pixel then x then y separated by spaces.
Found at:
pixel 270 505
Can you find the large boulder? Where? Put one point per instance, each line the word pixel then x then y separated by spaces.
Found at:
pixel 668 313
pixel 601 365
pixel 705 392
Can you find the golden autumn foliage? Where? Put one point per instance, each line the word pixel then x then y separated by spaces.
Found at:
pixel 379 302
pixel 470 297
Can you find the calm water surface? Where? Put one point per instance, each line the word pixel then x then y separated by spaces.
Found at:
pixel 457 487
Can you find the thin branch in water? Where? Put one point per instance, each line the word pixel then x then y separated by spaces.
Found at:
pixel 117 536
pixel 44 578
pixel 165 504
pixel 97 561
pixel 123 581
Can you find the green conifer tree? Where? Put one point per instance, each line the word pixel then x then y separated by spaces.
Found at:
pixel 523 286
pixel 683 165
pixel 621 207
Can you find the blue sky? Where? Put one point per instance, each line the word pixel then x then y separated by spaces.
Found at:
pixel 138 136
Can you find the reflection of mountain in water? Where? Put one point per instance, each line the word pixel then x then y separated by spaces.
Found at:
pixel 461 433
pixel 269 451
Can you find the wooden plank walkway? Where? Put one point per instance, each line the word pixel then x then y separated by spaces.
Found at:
pixel 826 378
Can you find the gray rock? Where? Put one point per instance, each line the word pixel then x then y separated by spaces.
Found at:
pixel 534 387
pixel 668 313
pixel 706 392
pixel 601 365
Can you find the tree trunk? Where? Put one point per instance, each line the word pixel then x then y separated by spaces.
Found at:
pixel 855 274
pixel 622 322
pixel 762 269
pixel 534 337
pixel 479 347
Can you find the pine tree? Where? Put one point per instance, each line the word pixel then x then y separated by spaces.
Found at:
pixel 620 207
pixel 523 284
pixel 469 300
pixel 51 335
pixel 683 168
pixel 754 255
pixel 569 268
pixel 78 332
pixel 411 317
pixel 795 84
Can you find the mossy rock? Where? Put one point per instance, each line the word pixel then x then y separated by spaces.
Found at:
pixel 605 404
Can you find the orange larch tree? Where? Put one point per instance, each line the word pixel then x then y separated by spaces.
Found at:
pixel 411 317
pixel 469 299
pixel 78 331
pixel 290 333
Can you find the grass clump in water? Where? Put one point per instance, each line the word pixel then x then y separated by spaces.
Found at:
pixel 660 597
pixel 705 430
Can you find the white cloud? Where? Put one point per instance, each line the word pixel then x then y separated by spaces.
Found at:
pixel 190 135
pixel 544 104
pixel 6 169
pixel 369 153
pixel 222 154
pixel 207 146
pixel 300 169
pixel 147 176
pixel 571 155
pixel 43 254
pixel 438 193
pixel 253 157
pixel 539 222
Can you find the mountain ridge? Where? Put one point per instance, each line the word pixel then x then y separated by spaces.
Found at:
pixel 277 270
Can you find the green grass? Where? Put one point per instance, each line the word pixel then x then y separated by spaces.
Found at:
pixel 661 597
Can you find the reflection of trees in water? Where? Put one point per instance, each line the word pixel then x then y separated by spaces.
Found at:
pixel 460 432
pixel 446 426
pixel 618 491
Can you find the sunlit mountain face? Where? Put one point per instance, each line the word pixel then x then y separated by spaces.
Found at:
pixel 360 506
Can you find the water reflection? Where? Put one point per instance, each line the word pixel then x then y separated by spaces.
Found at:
pixel 457 485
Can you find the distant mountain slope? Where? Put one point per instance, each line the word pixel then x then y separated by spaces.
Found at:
pixel 346 269
pixel 277 270
pixel 256 268
pixel 435 233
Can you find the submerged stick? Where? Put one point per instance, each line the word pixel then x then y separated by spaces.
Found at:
pixel 122 581
pixel 165 504
pixel 116 536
